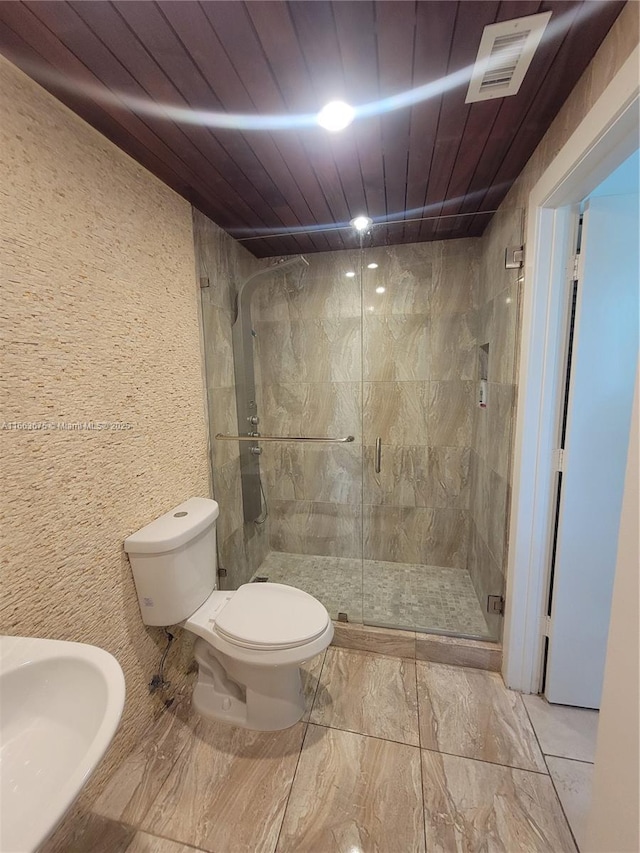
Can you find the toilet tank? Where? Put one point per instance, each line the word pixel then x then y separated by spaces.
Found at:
pixel 174 561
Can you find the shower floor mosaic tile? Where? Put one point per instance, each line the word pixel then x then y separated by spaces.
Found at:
pixel 391 595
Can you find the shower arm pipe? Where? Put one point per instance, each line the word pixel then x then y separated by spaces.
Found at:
pixel 345 440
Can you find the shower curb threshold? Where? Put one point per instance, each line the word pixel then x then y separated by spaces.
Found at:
pixel 434 648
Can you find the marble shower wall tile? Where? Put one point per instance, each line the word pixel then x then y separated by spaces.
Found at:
pixel 436 537
pixel 498 516
pixel 406 272
pixel 323 291
pixel 332 409
pixel 353 792
pixel 499 416
pixel 227 491
pixel 453 346
pixel 323 529
pixel 242 552
pixel 311 350
pixel 223 418
pixel 455 277
pixel 472 805
pixel 396 411
pixel 487 578
pixel 218 347
pixel 450 413
pixel 502 345
pixel 418 476
pixel 396 347
pixel 326 473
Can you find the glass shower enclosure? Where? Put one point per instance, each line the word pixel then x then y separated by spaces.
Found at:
pixel 369 442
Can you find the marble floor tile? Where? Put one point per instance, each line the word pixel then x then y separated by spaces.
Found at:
pixel 368 694
pixel 469 712
pixel 87 831
pixel 353 792
pixel 136 782
pixel 228 790
pixel 145 843
pixel 474 806
pixel 573 781
pixel 563 731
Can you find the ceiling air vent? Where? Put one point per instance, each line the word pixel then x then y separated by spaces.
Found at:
pixel 505 53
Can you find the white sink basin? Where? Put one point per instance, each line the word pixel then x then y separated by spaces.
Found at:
pixel 60 705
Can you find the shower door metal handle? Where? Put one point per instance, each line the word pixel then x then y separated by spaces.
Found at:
pixel 378 454
pixel 221 437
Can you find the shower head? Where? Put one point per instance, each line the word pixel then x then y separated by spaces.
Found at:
pixel 286 262
pixel 247 288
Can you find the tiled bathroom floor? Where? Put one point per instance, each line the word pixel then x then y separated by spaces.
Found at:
pixel 393 756
pixel 391 595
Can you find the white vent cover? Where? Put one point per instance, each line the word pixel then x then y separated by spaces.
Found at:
pixel 505 53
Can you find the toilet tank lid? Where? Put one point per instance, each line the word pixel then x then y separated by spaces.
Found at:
pixel 173 529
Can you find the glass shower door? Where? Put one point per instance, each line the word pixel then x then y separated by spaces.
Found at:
pixel 307 348
pixel 428 493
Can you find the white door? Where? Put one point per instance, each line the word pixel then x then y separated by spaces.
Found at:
pixel 601 386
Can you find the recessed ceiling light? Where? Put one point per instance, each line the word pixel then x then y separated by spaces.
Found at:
pixel 350 274
pixel 361 223
pixel 335 116
pixel 380 289
pixel 372 266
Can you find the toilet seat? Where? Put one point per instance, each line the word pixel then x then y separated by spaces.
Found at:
pixel 270 617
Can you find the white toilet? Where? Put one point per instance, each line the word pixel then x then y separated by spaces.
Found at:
pixel 251 641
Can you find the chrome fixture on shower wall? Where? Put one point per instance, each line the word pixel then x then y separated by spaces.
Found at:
pixel 246 404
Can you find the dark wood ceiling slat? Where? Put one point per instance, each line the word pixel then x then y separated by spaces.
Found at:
pixel 355 26
pixel 199 37
pixel 454 112
pixel 233 27
pixel 324 63
pixel 435 25
pixel 395 30
pixel 230 150
pixel 275 30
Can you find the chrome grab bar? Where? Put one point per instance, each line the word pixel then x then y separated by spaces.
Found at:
pixel 221 437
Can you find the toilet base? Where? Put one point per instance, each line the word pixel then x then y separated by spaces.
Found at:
pixel 263 698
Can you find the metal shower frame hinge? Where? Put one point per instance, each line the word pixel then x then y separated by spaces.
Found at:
pixel 514 258
pixel 495 604
pixel 204 281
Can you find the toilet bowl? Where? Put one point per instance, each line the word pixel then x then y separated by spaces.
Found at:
pixel 250 646
pixel 251 641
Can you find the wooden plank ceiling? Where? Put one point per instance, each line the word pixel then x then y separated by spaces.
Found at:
pixel 440 158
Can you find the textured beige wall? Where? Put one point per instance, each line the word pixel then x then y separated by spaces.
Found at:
pixel 100 314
